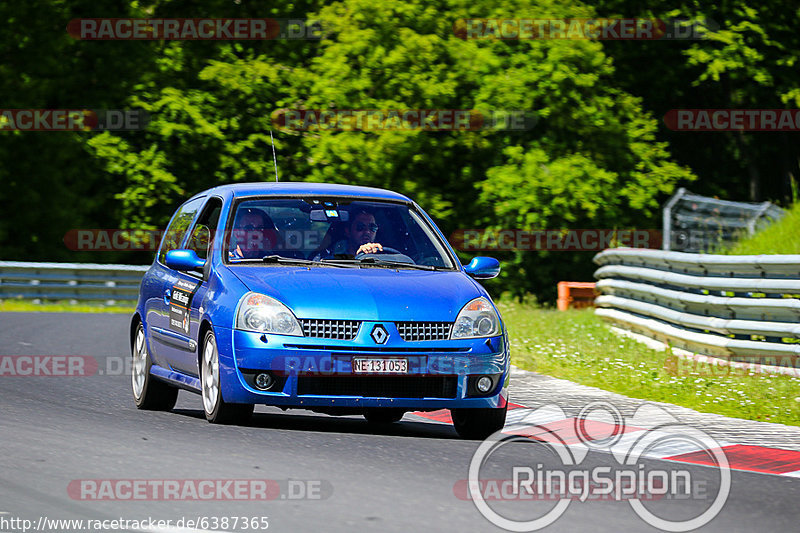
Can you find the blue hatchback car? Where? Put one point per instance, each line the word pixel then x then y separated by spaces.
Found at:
pixel 338 299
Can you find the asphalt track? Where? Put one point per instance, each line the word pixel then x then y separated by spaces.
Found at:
pixel 56 430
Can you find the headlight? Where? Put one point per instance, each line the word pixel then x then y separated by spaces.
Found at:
pixel 263 314
pixel 477 319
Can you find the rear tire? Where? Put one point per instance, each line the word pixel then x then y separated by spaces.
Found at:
pixel 478 423
pixel 383 416
pixel 148 393
pixel 217 411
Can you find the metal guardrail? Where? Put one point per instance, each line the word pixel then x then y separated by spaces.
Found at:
pixel 738 308
pixel 70 281
pixel 694 223
pixel 747 266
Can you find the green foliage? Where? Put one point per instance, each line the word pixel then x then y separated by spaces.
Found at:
pixel 596 158
pixel 592 159
pixel 781 237
pixel 50 182
pixel 746 58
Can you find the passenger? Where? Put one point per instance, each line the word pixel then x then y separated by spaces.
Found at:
pixel 253 236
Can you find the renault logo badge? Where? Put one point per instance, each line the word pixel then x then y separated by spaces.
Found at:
pixel 379 334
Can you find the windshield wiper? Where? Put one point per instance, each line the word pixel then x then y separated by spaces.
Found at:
pixel 294 261
pixel 367 261
pixel 284 260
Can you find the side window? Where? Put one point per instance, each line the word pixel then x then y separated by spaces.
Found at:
pixel 205 229
pixel 180 224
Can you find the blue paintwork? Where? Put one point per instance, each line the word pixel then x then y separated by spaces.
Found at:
pixel 183 260
pixel 483 267
pixel 371 295
pixel 362 294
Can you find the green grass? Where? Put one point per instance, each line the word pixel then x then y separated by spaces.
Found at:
pixel 781 237
pixel 63 307
pixel 577 346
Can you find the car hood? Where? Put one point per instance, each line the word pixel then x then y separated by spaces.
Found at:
pixel 363 293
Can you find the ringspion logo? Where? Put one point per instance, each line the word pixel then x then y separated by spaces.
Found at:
pixel 556 470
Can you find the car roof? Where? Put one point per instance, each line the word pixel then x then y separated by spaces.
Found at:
pixel 303 188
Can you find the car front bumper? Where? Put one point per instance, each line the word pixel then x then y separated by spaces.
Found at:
pixel 317 373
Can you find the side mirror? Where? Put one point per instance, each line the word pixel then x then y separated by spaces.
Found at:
pixel 483 267
pixel 184 260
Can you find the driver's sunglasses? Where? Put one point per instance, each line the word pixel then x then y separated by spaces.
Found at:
pixel 251 227
pixel 360 226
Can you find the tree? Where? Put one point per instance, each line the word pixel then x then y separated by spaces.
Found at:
pixel 592 159
pixel 50 182
pixel 745 58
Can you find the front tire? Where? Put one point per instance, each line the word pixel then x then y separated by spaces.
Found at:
pixel 148 392
pixel 478 423
pixel 217 411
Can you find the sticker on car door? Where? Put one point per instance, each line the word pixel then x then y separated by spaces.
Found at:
pixel 180 304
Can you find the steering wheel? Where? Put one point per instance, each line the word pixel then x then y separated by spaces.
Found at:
pixel 386 250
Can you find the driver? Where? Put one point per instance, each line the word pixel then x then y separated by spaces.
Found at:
pixel 358 237
pixel 360 234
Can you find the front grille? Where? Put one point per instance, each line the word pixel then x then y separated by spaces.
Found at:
pixel 379 386
pixel 424 331
pixel 345 330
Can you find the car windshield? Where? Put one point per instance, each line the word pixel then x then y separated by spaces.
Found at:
pixel 317 230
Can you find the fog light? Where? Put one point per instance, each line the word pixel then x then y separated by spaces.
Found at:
pixel 264 381
pixel 484 384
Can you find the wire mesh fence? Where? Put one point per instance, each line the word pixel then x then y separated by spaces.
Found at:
pixel 694 223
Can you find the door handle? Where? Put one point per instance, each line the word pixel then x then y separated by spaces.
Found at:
pixel 167 296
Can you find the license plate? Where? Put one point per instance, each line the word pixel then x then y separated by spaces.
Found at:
pixel 379 365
